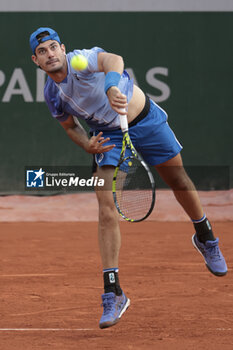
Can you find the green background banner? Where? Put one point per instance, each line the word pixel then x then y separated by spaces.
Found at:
pixel 182 60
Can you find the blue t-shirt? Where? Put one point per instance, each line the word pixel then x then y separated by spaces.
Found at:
pixel 82 94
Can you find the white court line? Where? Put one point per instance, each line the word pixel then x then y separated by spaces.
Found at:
pixel 44 329
pixel 74 329
pixel 34 275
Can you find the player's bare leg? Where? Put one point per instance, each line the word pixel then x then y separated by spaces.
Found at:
pixel 109 230
pixel 115 303
pixel 173 173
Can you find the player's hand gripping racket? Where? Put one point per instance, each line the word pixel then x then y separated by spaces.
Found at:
pixel 133 183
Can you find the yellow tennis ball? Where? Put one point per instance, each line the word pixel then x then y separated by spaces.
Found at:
pixel 79 62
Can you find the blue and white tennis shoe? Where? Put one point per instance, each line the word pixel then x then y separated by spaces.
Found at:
pixel 114 307
pixel 212 255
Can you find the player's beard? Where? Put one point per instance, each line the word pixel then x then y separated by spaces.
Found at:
pixel 56 69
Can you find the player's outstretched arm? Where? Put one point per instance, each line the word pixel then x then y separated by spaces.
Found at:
pixel 77 133
pixel 108 62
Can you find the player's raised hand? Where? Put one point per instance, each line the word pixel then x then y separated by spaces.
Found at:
pixel 96 144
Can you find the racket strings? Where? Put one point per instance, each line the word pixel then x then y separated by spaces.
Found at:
pixel 138 209
pixel 134 193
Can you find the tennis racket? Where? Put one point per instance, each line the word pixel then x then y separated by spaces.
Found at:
pixel 133 184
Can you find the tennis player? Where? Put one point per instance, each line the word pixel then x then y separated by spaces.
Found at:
pixel 97 95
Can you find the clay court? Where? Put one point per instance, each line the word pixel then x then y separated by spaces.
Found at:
pixel 179 53
pixel 51 279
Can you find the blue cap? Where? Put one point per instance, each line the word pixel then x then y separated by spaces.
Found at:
pixel 34 42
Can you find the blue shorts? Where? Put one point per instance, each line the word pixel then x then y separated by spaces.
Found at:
pixel 152 137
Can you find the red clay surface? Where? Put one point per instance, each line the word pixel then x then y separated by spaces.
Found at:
pixel 50 278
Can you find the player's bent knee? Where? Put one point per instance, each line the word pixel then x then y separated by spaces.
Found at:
pixel 182 183
pixel 105 198
pixel 107 208
pixel 176 178
pixel 108 213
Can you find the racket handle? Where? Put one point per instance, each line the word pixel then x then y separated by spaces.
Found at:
pixel 123 122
